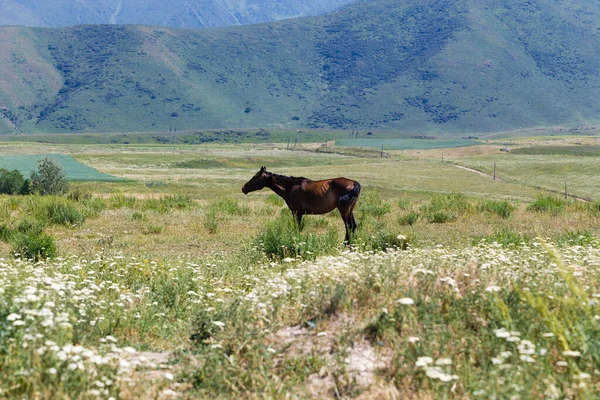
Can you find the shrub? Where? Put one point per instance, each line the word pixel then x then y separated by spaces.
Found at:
pixel 33 245
pixel 93 206
pixel 152 229
pixel 372 204
pixel 447 202
pixel 502 208
pixel 282 238
pixel 403 203
pixel 12 182
pixel 505 237
pixel 28 240
pixel 409 219
pixel 58 211
pixel 441 217
pixel 5 233
pixel 138 216
pixel 49 179
pixel 548 204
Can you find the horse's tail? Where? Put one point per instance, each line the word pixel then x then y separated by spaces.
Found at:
pixel 351 196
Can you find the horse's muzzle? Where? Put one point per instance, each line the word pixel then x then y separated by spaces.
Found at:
pixel 244 190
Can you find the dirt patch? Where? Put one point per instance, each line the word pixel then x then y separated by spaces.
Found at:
pixel 149 375
pixel 359 366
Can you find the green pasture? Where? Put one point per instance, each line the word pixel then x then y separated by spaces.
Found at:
pixel 548 171
pixel 407 143
pixel 74 170
pixel 580 150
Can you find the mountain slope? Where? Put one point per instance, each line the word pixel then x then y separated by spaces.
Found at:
pixel 442 66
pixel 174 13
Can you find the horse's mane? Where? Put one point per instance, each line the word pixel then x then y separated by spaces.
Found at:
pixel 288 179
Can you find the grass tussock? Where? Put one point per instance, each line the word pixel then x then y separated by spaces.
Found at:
pixel 282 239
pixel 547 203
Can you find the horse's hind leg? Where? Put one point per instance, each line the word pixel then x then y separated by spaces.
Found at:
pixel 349 221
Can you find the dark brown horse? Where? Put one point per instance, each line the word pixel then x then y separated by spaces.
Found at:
pixel 304 196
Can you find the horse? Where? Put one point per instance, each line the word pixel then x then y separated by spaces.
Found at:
pixel 304 196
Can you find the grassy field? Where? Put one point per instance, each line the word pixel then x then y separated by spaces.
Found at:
pixel 173 283
pixel 406 144
pixel 73 169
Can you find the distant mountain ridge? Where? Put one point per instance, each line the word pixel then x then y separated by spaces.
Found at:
pixel 174 13
pixel 441 66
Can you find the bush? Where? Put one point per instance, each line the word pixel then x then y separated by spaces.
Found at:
pixel 408 219
pixel 49 179
pixel 372 204
pixel 36 246
pixel 58 211
pixel 5 233
pixel 282 239
pixel 503 208
pixel 28 240
pixel 505 237
pixel 445 208
pixel 441 217
pixel 548 204
pixel 12 182
pixel 403 203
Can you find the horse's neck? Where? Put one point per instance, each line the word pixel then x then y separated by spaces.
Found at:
pixel 282 185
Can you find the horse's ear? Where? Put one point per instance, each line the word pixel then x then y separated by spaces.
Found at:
pixel 263 169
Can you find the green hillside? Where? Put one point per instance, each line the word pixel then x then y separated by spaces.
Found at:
pixel 437 67
pixel 176 13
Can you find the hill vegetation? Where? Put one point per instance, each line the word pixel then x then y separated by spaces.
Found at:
pixel 177 13
pixel 441 67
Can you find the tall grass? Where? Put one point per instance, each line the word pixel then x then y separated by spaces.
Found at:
pixel 282 238
pixel 547 203
pixel 444 208
pixel 502 208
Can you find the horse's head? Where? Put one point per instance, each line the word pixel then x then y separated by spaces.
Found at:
pixel 258 181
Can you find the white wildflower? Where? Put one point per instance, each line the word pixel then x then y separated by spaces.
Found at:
pixel 406 301
pixel 423 361
pixel 492 289
pixel 13 317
